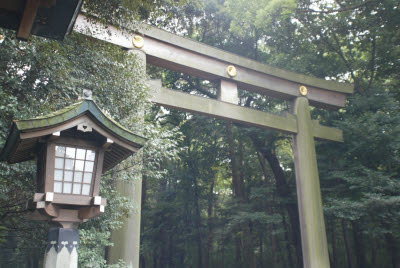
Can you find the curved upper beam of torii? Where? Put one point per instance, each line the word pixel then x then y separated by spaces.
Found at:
pixel 188 56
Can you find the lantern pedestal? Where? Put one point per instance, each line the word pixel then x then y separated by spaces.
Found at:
pixel 62 248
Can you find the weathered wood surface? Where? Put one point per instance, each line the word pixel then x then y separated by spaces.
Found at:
pixel 28 18
pixel 312 224
pixel 223 110
pixel 127 239
pixel 228 92
pixel 188 56
pixel 90 212
pixel 68 199
pixel 29 15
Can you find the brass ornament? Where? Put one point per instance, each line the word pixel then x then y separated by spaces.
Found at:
pixel 303 90
pixel 231 70
pixel 2 37
pixel 138 41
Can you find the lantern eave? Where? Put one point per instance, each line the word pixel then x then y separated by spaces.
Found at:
pixel 25 133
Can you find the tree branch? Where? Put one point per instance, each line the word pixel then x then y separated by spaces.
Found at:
pixel 342 9
pixel 372 62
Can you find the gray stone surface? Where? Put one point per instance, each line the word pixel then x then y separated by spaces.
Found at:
pixel 62 248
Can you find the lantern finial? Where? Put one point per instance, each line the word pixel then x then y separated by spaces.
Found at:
pixel 87 94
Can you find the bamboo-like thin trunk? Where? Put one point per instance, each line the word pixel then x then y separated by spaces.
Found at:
pixel 274 242
pixel 288 247
pixel 359 245
pixel 197 225
pixel 260 240
pixel 239 192
pixel 333 238
pixel 210 236
pixel 393 248
pixel 349 248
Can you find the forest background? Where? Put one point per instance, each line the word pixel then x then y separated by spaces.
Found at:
pixel 217 194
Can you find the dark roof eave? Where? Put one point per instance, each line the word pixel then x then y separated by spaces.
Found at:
pixel 11 141
pixel 78 109
pixel 64 115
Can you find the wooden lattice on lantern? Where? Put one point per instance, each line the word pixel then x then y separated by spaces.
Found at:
pixel 73 147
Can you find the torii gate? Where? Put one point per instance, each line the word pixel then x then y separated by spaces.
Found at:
pixel 173 52
pixel 170 51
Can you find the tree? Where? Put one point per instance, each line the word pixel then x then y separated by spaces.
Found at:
pixel 348 41
pixel 41 76
pixel 220 194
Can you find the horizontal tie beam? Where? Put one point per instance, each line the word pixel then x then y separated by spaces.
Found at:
pixel 223 110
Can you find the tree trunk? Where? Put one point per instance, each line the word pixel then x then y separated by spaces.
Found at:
pixel 142 259
pixel 144 189
pixel 181 259
pixel 197 224
pixel 249 257
pixel 275 247
pixel 349 248
pixel 142 262
pixel 164 249
pixel 155 260
pixel 288 247
pixel 238 252
pixel 238 189
pixel 333 238
pixel 197 216
pixel 210 237
pixel 393 248
pixel 373 254
pixel 223 255
pixel 260 239
pixel 274 242
pixel 241 171
pixel 170 250
pixel 359 245
pixel 283 191
pixel 235 173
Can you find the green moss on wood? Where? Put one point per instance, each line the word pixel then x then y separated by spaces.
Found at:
pixel 64 115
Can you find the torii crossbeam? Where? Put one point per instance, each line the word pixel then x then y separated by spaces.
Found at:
pixel 177 53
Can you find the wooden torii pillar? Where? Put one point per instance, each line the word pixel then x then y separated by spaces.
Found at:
pixel 187 56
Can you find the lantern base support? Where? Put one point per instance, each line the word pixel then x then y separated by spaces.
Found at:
pixel 62 248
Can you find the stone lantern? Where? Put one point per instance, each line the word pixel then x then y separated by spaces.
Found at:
pixel 73 147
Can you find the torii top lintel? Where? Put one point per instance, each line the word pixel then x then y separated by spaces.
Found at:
pixel 188 56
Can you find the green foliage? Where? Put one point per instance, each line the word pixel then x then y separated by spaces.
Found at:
pixel 196 211
pixel 350 41
pixel 42 76
pixel 257 15
pixel 127 12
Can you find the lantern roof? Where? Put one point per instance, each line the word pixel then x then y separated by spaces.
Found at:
pixel 73 121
